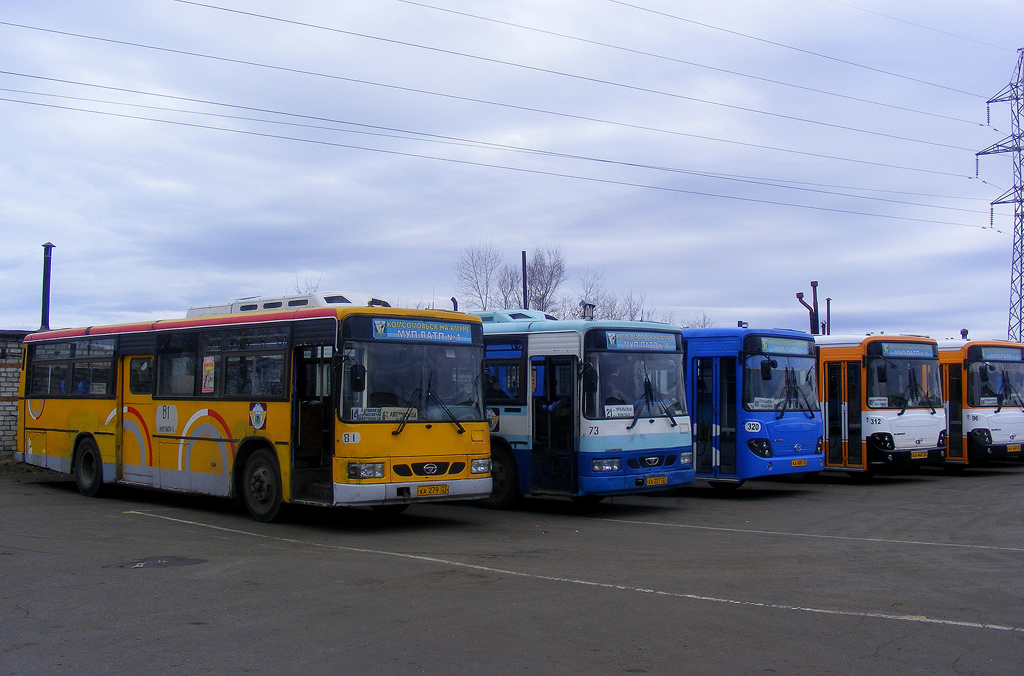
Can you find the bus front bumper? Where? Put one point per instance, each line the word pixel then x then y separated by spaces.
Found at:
pixel 352 495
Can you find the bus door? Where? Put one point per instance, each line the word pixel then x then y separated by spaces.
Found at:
pixel 954 388
pixel 140 420
pixel 555 424
pixel 843 447
pixel 313 424
pixel 714 416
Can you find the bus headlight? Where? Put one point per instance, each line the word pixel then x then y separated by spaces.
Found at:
pixel 366 470
pixel 982 435
pixel 819 448
pixel 760 447
pixel 686 458
pixel 607 465
pixel 942 439
pixel 882 441
pixel 480 466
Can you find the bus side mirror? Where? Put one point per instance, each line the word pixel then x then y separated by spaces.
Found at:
pixel 766 368
pixel 589 380
pixel 880 374
pixel 357 377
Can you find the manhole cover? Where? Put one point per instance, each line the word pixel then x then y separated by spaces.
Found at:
pixel 157 562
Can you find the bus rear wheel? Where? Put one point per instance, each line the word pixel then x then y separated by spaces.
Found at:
pixel 261 486
pixel 88 469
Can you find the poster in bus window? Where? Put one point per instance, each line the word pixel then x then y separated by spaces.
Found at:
pixel 209 373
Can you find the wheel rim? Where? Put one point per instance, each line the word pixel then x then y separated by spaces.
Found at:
pixel 262 487
pixel 88 469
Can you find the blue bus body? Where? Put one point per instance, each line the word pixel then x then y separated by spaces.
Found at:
pixel 585 408
pixel 753 402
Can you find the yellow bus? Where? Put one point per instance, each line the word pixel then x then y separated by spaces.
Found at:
pixel 984 384
pixel 882 404
pixel 322 404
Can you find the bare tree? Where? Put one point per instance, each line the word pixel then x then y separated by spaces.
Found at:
pixel 700 322
pixel 544 274
pixel 308 285
pixel 476 274
pixel 510 286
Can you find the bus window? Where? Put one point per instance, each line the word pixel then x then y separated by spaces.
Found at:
pixel 140 379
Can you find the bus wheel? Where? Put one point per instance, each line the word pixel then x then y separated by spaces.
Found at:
pixel 504 480
pixel 261 486
pixel 88 469
pixel 389 510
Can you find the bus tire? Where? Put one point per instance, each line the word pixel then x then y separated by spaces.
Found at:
pixel 504 479
pixel 88 469
pixel 261 486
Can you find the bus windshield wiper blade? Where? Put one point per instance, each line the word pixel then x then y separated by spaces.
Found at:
pixel 408 412
pixel 448 411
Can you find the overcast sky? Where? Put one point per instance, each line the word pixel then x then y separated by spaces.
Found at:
pixel 714 157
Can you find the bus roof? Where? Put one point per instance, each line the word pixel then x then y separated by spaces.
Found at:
pixel 735 331
pixel 853 340
pixel 264 303
pixel 247 318
pixel 525 321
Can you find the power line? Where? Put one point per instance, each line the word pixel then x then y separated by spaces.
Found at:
pixel 705 66
pixel 453 140
pixel 576 76
pixel 523 170
pixel 918 25
pixel 340 78
pixel 797 49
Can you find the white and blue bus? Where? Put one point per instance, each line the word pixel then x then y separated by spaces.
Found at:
pixel 584 408
pixel 754 403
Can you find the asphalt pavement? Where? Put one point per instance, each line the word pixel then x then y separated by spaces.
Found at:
pixel 914 574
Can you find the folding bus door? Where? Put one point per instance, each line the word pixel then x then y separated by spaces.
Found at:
pixel 140 420
pixel 843 442
pixel 954 387
pixel 313 424
pixel 555 424
pixel 714 416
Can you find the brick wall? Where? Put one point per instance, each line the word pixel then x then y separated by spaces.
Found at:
pixel 10 369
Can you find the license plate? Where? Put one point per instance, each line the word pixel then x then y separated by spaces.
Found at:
pixel 657 481
pixel 1013 449
pixel 917 455
pixel 798 463
pixel 439 489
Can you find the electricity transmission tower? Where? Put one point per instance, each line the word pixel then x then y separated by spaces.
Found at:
pixel 1013 94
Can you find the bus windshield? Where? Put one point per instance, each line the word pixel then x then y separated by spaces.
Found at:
pixel 903 383
pixel 410 382
pixel 995 384
pixel 631 384
pixel 779 383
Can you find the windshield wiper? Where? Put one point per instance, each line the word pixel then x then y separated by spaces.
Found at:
pixel 651 395
pixel 448 411
pixel 408 412
pixel 1008 391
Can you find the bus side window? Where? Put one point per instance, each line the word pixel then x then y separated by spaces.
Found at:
pixel 140 379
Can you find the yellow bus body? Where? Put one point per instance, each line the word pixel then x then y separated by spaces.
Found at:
pixel 200 444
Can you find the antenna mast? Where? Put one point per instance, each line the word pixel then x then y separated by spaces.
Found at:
pixel 1013 94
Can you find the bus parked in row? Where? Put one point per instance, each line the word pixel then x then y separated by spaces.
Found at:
pixel 330 405
pixel 984 385
pixel 754 403
pixel 882 401
pixel 584 408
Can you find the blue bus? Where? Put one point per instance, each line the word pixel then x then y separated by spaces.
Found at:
pixel 754 403
pixel 584 408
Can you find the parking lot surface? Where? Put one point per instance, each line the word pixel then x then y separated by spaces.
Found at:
pixel 915 574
